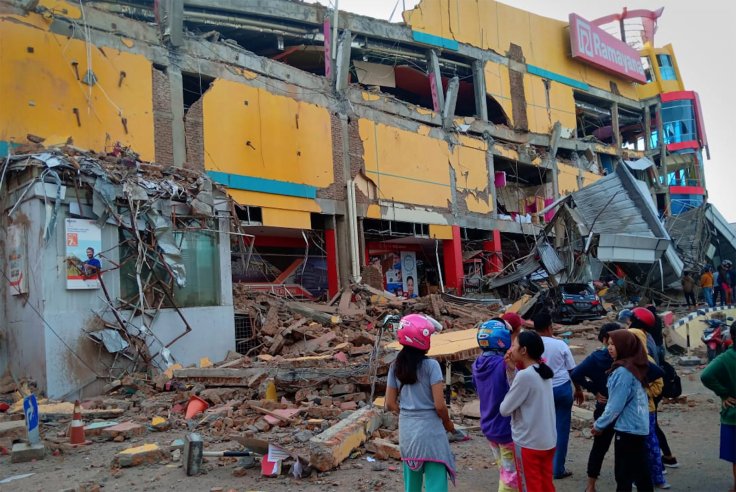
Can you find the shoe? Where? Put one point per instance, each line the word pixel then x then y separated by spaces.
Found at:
pixel 670 462
pixel 565 474
pixel 664 485
pixel 664 472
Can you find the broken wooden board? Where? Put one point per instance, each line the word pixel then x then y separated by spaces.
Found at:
pixel 312 313
pixel 65 410
pixel 520 302
pixel 451 346
pixel 217 376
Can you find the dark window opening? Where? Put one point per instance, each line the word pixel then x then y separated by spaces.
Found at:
pixel 648 72
pixel 496 114
pixel 521 189
pixel 376 229
pixel 594 119
pixel 194 85
pixel 249 215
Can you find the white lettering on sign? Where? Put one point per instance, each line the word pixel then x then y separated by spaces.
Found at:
pixel 598 47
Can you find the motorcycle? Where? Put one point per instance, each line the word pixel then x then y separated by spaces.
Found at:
pixel 716 337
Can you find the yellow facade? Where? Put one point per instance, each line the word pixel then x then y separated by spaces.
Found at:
pixel 251 132
pixel 407 167
pixel 471 174
pixel 658 85
pixel 43 96
pixel 491 25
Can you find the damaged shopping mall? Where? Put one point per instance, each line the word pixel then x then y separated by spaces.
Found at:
pixel 174 171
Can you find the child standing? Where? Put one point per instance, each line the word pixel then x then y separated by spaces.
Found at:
pixel 531 405
pixel 592 374
pixel 627 410
pixel 491 384
pixel 560 360
pixel 423 417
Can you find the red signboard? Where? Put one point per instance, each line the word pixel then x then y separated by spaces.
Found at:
pixel 593 45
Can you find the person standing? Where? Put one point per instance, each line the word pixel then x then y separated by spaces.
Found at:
pixel 490 377
pixel 724 278
pixel 592 375
pixel 560 360
pixel 415 389
pixel 706 283
pixel 657 332
pixel 720 377
pixel 626 411
pixel 653 389
pixel 688 288
pixel 530 404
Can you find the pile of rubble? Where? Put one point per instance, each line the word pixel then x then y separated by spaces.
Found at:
pixel 305 392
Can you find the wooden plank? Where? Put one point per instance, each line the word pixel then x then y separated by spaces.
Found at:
pixel 314 314
pixel 344 304
pixel 451 346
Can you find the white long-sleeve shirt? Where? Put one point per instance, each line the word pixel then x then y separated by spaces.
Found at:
pixel 531 405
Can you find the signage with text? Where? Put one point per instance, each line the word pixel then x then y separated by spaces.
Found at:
pixel 593 45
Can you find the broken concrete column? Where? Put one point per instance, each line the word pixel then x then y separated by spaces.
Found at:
pixel 140 455
pixel 333 446
pixel 383 449
pixel 23 452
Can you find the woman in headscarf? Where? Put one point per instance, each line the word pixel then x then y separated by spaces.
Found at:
pixel 627 410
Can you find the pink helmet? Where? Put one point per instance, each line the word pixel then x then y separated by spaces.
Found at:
pixel 415 330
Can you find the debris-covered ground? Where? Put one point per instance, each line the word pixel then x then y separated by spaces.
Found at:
pixel 316 389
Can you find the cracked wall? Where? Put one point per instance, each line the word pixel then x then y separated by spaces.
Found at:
pixel 492 25
pixel 45 95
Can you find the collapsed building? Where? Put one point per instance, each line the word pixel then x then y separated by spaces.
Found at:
pixel 416 156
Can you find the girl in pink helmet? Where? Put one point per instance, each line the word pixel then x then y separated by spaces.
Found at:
pixel 415 390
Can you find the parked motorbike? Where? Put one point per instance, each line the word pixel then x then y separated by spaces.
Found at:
pixel 716 337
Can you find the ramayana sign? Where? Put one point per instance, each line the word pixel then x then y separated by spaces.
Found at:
pixel 595 46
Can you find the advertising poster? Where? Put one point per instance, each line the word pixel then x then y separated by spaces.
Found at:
pixel 17 261
pixel 409 273
pixel 83 244
pixel 394 283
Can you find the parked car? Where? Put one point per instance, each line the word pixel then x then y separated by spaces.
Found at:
pixel 572 303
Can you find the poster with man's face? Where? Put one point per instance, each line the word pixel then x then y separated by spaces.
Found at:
pixel 83 244
pixel 409 273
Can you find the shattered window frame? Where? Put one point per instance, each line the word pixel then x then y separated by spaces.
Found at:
pixel 200 256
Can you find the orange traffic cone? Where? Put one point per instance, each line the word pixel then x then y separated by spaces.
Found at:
pixel 76 432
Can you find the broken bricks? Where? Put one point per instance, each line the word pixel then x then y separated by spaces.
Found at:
pixel 146 454
pixel 125 430
pixel 334 445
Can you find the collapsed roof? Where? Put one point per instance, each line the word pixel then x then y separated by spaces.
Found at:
pixel 610 222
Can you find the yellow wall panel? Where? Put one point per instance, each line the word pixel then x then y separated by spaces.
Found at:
pixel 437 231
pixel 567 178
pixel 40 91
pixel 478 204
pixel 492 25
pixel 292 219
pixel 407 167
pixel 373 211
pixel 498 85
pixel 590 178
pixel 252 132
pixel 256 199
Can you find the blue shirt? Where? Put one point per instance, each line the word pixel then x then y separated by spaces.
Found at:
pixel 92 266
pixel 627 405
pixel 417 396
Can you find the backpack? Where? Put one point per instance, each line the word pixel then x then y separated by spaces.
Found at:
pixel 672 384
